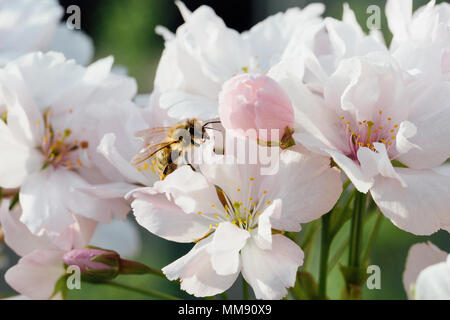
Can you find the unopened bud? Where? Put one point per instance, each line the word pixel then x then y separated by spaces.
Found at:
pixel 95 264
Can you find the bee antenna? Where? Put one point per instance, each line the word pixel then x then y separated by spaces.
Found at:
pixel 209 122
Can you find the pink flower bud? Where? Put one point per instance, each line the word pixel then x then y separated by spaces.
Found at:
pixel 94 262
pixel 255 102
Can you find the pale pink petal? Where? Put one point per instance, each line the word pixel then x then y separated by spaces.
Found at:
pixel 360 180
pixel 197 274
pixel 191 191
pixel 227 242
pixel 50 197
pixel 162 217
pixel 17 235
pixel 433 283
pixel 421 207
pixel 420 256
pixel 307 186
pixel 270 272
pixel 17 160
pixel 399 13
pixel 431 116
pixel 36 274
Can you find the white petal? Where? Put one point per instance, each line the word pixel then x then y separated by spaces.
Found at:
pixel 228 240
pixel 374 163
pixel 116 190
pixel 433 283
pixel 398 13
pixel 109 150
pixel 50 197
pixel 17 160
pixel 197 274
pixel 307 186
pixel 74 44
pixel 353 171
pixel 162 217
pixel 180 105
pixel 270 272
pixel 431 116
pixel 263 236
pixel 420 256
pixel 36 274
pixel 17 235
pixel 421 207
pixel 61 76
pixel 191 190
pixel 312 115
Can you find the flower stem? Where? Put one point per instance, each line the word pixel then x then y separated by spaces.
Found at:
pixel 308 241
pixel 324 252
pixel 352 273
pixel 341 249
pixel 373 235
pixel 356 230
pixel 133 267
pixel 147 292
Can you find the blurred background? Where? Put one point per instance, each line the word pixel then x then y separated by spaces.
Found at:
pixel 125 29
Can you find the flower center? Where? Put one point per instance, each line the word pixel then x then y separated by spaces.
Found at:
pixel 366 132
pixel 58 147
pixel 243 212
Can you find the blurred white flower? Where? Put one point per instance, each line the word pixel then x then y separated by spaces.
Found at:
pixel 30 25
pixel 56 113
pixel 230 210
pixel 373 113
pixel 204 53
pixel 121 236
pixel 314 54
pixel 427 273
pixel 421 41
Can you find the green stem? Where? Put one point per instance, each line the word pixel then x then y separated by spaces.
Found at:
pixel 224 296
pixel 245 289
pixel 337 255
pixel 324 253
pixel 356 230
pixel 147 292
pixel 372 236
pixel 340 251
pixel 133 267
pixel 307 243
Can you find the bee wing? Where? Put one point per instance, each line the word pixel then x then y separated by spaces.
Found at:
pixel 149 151
pixel 153 136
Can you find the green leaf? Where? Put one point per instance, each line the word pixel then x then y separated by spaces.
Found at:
pixel 341 214
pixel 61 286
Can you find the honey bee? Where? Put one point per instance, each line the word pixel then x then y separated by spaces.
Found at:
pixel 168 145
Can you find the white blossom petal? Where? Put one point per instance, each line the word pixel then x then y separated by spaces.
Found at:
pixel 270 272
pixel 421 207
pixel 197 274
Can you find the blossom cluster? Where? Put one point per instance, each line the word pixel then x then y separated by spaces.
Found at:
pixel 338 109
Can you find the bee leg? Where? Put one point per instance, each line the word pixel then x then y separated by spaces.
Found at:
pixel 171 167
